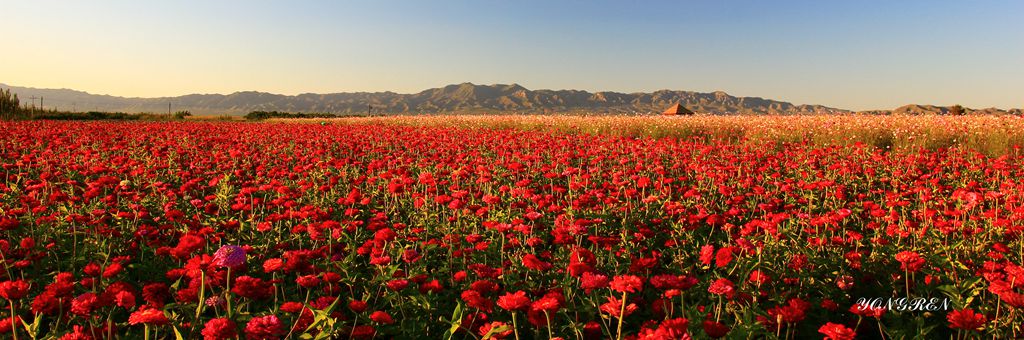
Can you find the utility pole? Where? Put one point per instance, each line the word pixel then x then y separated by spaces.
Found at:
pixel 32 113
pixel 168 109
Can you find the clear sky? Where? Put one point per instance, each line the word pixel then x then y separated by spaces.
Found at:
pixel 847 54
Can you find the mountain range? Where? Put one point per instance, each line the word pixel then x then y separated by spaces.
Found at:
pixel 459 98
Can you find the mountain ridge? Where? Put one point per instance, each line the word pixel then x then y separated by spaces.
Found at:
pixel 455 98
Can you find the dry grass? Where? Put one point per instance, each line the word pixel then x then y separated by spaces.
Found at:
pixel 991 135
pixel 214 118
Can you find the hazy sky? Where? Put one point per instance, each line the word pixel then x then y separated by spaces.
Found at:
pixel 847 54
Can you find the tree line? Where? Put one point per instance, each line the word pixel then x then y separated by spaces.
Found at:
pixel 11 108
pixel 10 105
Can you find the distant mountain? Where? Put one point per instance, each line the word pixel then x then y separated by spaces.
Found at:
pixel 461 98
pixel 915 109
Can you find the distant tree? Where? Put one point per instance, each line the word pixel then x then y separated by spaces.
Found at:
pixel 182 114
pixel 9 103
pixel 956 110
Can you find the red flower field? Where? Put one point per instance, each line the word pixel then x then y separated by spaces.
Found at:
pixel 268 231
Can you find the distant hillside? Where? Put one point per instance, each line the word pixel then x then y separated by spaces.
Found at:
pixel 461 98
pixel 914 109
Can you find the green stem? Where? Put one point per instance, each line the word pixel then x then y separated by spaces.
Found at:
pixel 227 293
pixel 14 330
pixel 202 293
pixel 515 328
pixel 548 318
pixel 622 311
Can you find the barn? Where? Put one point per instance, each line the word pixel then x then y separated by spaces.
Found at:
pixel 677 110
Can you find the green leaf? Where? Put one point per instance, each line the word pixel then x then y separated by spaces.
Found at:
pixel 33 329
pixel 177 334
pixel 456 320
pixel 496 330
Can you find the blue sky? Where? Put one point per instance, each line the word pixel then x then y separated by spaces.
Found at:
pixel 856 55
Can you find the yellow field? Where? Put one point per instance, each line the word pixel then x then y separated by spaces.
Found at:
pixel 991 135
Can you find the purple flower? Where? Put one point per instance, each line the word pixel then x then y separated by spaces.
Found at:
pixel 229 256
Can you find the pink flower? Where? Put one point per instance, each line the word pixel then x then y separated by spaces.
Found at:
pixel 229 256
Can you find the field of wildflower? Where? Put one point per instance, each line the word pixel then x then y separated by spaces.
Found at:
pixel 434 228
pixel 991 135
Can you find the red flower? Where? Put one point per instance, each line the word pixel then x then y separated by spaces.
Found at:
pixel 706 254
pixel 148 316
pixel 13 290
pixel 10 324
pixel 125 299
pixel 484 286
pixel 723 257
pixel 273 265
pixel 155 294
pixel 867 311
pixel 292 307
pixel 475 300
pixel 46 303
pixel 253 288
pixel 381 317
pixel 514 301
pixel 547 303
pixel 593 281
pixel 758 277
pixel 676 326
pixel 219 329
pixel 308 281
pixel 432 286
pixel 834 331
pixel 397 284
pixel 910 261
pixel 91 269
pixel 112 270
pixel 363 332
pixel 614 306
pixel 965 319
pixel 721 287
pixel 533 262
pixel 793 312
pixel 715 329
pixel 627 284
pixel 498 330
pixel 581 260
pixel 84 304
pixel 264 328
pixel 78 333
pixel 357 306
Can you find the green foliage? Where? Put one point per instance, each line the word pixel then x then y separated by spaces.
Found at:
pixel 956 110
pixel 9 103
